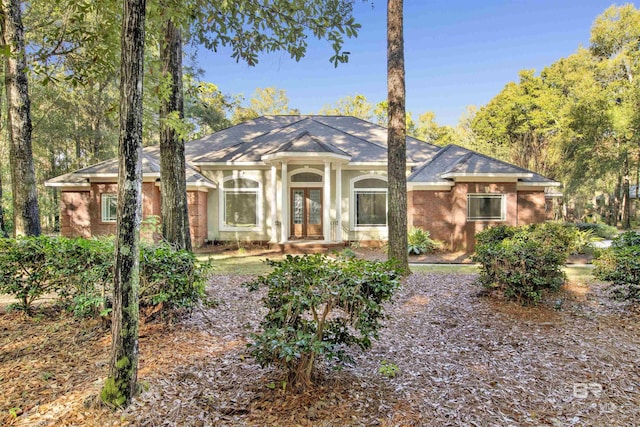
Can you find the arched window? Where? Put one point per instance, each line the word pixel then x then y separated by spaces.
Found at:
pixel 369 195
pixel 240 203
pixel 306 177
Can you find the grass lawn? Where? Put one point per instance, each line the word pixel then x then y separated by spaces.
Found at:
pixel 249 264
pixel 240 264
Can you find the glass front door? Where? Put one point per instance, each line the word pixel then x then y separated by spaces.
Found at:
pixel 306 213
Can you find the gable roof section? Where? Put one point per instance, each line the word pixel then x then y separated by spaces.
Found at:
pixel 453 161
pixel 361 141
pixel 305 143
pixel 109 169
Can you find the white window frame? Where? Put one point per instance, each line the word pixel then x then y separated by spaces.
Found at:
pixel 503 206
pixel 104 203
pixel 223 206
pixel 353 215
pixel 300 184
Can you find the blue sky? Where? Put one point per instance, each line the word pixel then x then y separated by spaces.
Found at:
pixel 457 53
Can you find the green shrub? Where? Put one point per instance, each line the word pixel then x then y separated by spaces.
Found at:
pixel 80 273
pixel 316 308
pixel 603 231
pixel 523 262
pixel 25 270
pixel 172 277
pixel 495 234
pixel 419 242
pixel 620 265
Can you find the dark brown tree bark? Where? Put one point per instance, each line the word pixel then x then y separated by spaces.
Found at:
pixel 626 202
pixel 23 177
pixel 3 226
pixel 121 385
pixel 173 187
pixel 396 143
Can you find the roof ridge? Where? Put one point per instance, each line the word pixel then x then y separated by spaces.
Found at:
pixel 234 147
pixel 431 160
pixel 494 159
pixel 349 134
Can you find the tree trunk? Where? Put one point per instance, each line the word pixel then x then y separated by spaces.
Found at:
pixel 396 142
pixel 3 227
pixel 173 187
pixel 626 203
pixel 121 385
pixel 23 177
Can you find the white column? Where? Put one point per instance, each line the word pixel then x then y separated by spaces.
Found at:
pixel 284 229
pixel 326 201
pixel 339 202
pixel 274 204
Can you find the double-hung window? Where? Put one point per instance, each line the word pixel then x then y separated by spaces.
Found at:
pixel 109 207
pixel 240 204
pixel 370 198
pixel 486 207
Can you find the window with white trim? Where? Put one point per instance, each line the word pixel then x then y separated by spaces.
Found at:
pixel 486 207
pixel 240 202
pixel 109 207
pixel 370 199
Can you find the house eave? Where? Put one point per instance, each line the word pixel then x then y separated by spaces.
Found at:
pixel 197 186
pixel 485 175
pixel 293 156
pixel 429 186
pixel 540 184
pixel 66 184
pixel 228 163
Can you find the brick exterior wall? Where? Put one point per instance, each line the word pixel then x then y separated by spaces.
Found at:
pixel 197 201
pixel 81 211
pixel 431 210
pixel 532 207
pixel 444 213
pixel 75 219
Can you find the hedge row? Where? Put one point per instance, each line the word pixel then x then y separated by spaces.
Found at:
pixel 79 272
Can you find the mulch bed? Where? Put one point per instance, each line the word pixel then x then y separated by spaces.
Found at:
pixel 464 359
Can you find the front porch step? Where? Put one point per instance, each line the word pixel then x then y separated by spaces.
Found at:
pixel 310 247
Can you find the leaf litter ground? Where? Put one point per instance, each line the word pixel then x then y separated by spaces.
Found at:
pixel 463 359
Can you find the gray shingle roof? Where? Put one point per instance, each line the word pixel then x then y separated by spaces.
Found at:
pixel 248 142
pixel 453 160
pixel 108 168
pixel 355 139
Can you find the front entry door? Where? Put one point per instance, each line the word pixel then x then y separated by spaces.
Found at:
pixel 306 213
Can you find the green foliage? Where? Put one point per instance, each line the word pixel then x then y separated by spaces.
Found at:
pixel 620 265
pixel 523 262
pixel 388 369
pixel 347 253
pixel 603 231
pixel 356 106
pixel 172 277
pixel 80 273
pixel 249 27
pixel 419 242
pixel 496 234
pixel 113 394
pixel 317 307
pixel 24 270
